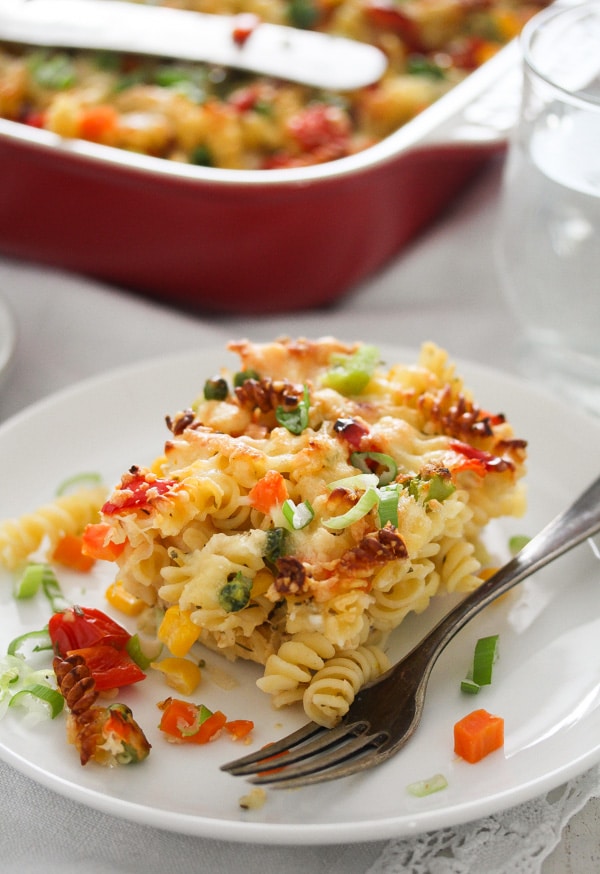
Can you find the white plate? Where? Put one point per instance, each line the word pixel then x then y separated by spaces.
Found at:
pixel 546 685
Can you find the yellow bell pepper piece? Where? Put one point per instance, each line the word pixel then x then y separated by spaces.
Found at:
pixel 181 674
pixel 262 582
pixel 119 598
pixel 177 631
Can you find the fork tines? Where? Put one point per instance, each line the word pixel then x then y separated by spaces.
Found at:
pixel 312 754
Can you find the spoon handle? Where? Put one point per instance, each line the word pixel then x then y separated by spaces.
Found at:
pixel 304 56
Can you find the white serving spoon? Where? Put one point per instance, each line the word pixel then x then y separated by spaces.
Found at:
pixel 303 56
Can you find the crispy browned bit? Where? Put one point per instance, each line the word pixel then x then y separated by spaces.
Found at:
pixel 268 394
pixel 513 447
pixel 340 500
pixel 431 469
pixel 376 548
pixel 86 733
pixel 457 416
pixel 108 735
pixel 291 576
pixel 75 683
pixel 180 422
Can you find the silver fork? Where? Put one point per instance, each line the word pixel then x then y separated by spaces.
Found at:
pixel 386 712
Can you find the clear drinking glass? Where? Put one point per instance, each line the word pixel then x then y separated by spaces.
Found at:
pixel 549 228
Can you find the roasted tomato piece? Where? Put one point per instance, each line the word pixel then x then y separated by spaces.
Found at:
pixel 79 627
pixel 111 668
pixel 138 489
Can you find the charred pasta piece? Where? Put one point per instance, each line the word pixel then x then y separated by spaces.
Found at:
pixel 106 735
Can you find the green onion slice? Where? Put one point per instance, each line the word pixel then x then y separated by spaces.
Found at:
pixel 384 465
pixel 86 478
pixel 297 516
pixel 439 489
pixel 29 582
pixel 421 788
pixel 486 653
pixel 517 542
pixel 350 374
pixel 202 715
pixel 366 503
pixel 142 655
pixel 388 505
pixel 360 481
pixel 52 591
pixel 15 646
pixel 43 693
pixel 295 420
pixel 469 686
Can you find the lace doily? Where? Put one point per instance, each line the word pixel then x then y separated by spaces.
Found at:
pixel 515 841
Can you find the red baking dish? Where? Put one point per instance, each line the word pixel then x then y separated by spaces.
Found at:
pixel 237 241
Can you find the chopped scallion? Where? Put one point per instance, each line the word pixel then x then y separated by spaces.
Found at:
pixel 350 374
pixel 365 504
pixel 486 653
pixel 439 489
pixel 52 591
pixel 517 542
pixel 360 481
pixel 388 505
pixel 16 645
pixel 140 654
pixel 469 686
pixel 421 788
pixel 28 584
pixel 376 462
pixel 54 699
pixel 87 478
pixel 297 516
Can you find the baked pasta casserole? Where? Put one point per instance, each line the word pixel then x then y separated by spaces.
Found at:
pixel 211 116
pixel 306 504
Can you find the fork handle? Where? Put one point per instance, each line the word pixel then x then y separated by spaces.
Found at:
pixel 570 528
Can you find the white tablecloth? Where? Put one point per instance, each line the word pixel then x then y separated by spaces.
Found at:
pixel 444 288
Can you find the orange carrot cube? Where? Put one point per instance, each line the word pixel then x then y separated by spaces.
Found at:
pixel 478 734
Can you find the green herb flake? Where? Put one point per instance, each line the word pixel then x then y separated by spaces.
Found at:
pixel 295 420
pixel 235 594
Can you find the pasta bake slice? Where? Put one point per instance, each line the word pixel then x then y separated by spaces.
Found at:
pixel 306 504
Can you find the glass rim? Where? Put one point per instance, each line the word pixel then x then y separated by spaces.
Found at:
pixel 535 25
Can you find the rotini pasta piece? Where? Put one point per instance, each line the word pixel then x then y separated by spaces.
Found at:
pixel 289 671
pixel 410 593
pixel 67 514
pixel 457 566
pixel 341 619
pixel 231 629
pixel 198 578
pixel 333 688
